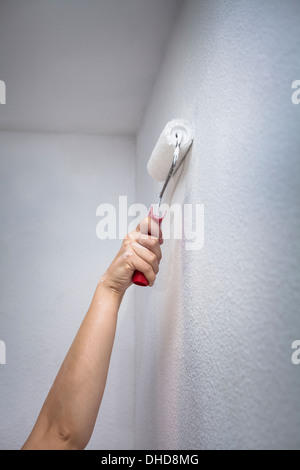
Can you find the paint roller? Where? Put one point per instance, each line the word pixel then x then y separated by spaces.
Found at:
pixel 170 151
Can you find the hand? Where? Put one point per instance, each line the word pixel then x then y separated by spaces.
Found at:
pixel 139 251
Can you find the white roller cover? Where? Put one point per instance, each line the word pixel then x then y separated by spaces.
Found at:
pixel 161 159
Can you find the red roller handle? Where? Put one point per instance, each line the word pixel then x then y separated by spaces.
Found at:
pixel 138 278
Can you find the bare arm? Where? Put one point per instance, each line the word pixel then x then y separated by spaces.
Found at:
pixel 68 416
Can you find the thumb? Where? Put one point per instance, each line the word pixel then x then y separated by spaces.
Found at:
pixel 149 227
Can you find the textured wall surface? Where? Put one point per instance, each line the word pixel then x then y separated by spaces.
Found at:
pixel 210 366
pixel 213 338
pixel 51 262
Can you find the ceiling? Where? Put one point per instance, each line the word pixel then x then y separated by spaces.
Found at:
pixel 84 66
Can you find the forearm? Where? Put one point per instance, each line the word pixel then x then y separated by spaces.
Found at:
pixel 70 410
pixel 68 416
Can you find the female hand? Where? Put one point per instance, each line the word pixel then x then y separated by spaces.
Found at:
pixel 139 251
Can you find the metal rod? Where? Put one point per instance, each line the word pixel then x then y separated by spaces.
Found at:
pixel 172 168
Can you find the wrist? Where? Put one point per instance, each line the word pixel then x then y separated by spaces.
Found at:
pixel 109 289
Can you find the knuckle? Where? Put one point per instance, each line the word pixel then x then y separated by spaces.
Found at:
pixel 130 236
pixel 128 252
pixel 152 257
pixel 127 244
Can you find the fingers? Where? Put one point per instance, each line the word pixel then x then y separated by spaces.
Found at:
pixel 145 249
pixel 141 265
pixel 147 256
pixel 149 227
pixel 147 241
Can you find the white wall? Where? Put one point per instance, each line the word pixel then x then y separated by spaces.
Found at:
pixel 213 338
pixel 51 262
